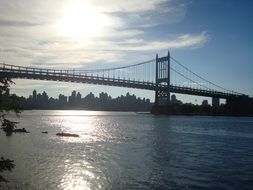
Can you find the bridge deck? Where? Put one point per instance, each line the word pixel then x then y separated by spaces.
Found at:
pixel 70 76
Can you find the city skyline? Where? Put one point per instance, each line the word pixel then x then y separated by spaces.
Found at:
pixel 203 35
pixel 43 97
pixel 104 102
pixel 73 94
pixel 127 102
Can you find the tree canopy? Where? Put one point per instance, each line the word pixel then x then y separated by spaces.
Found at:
pixel 8 103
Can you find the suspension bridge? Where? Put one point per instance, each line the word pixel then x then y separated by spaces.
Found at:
pixel 164 75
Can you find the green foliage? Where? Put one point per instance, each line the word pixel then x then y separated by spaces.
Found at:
pixel 8 126
pixel 8 103
pixel 6 164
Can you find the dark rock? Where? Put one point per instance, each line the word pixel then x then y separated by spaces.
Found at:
pixel 67 135
pixel 23 130
pixel 45 132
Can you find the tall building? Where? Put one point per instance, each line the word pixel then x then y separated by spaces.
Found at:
pixel 78 98
pixel 204 103
pixel 103 96
pixel 44 97
pixel 73 94
pixel 173 99
pixel 63 99
pixel 215 102
pixel 34 95
pixel 72 98
pixel 39 98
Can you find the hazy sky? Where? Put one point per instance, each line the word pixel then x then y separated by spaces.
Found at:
pixel 212 37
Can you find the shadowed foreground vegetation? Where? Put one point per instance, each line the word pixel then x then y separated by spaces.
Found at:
pixel 8 103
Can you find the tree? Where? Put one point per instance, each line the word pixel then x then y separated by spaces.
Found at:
pixel 5 164
pixel 8 103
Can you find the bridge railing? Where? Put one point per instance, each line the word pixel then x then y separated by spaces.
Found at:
pixel 66 73
pixel 73 74
pixel 203 91
pixel 22 69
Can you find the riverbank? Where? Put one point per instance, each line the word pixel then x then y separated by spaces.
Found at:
pixel 195 110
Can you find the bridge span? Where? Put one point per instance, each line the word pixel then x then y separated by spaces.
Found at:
pixel 159 75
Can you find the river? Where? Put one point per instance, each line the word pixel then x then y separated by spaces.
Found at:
pixel 119 150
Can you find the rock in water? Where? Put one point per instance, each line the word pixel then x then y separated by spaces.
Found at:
pixel 67 135
pixel 23 130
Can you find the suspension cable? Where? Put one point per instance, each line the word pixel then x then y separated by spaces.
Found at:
pixel 200 76
pixel 189 79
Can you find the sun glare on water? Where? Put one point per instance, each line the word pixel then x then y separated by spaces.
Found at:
pixel 82 20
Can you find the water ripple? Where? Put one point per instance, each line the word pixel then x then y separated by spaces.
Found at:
pixel 130 151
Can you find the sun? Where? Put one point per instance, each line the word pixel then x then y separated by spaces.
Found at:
pixel 81 20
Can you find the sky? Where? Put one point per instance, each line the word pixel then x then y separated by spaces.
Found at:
pixel 212 37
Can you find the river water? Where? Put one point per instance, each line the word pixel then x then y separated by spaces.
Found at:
pixel 129 151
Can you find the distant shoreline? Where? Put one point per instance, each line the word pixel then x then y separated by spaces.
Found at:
pixel 200 114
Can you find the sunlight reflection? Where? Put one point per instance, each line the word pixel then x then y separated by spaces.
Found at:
pixel 89 125
pixel 76 183
pixel 78 176
pixel 77 122
pixel 80 169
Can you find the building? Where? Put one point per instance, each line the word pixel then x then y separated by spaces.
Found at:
pixel 63 100
pixel 204 103
pixel 78 98
pixel 173 99
pixel 34 97
pixel 215 102
pixel 44 97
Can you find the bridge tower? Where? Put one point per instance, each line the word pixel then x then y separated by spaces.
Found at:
pixel 162 97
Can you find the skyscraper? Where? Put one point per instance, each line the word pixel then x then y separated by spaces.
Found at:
pixel 34 95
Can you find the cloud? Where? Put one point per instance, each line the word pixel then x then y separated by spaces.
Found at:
pixel 64 54
pixel 30 36
pixel 13 23
pixel 146 14
pixel 129 6
pixel 181 41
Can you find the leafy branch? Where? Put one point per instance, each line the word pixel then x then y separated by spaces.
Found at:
pixel 8 103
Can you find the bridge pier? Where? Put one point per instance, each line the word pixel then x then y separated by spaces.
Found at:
pixel 162 97
pixel 215 102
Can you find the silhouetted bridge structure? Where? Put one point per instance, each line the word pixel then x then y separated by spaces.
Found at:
pixel 162 75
